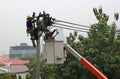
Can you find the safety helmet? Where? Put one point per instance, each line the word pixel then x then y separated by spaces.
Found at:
pixel 28 17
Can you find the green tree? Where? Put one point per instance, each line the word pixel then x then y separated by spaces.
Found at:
pixel 7 76
pixel 28 76
pixel 101 48
pixel 30 57
pixel 46 71
pixel 104 45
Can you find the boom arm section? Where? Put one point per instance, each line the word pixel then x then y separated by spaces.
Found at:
pixel 85 62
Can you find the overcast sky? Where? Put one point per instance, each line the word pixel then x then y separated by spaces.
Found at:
pixel 13 16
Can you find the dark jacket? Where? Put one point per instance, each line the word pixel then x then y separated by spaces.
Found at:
pixel 29 23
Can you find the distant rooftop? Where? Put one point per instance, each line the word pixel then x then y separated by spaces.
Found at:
pixel 14 62
pixel 22 46
pixel 14 69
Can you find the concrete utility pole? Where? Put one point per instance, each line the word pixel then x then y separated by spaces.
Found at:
pixel 38 59
pixel 39 33
pixel 42 21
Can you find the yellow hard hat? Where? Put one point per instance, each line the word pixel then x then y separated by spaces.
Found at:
pixel 28 17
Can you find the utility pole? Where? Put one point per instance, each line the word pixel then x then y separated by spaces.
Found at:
pixel 39 33
pixel 38 59
pixel 42 22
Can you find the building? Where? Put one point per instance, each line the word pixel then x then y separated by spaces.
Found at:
pixel 17 67
pixel 21 50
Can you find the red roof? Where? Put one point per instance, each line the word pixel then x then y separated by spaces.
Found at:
pixel 14 62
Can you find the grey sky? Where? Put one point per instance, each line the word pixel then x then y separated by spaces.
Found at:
pixel 13 15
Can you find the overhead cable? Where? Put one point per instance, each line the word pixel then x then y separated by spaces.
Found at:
pixel 71 26
pixel 72 23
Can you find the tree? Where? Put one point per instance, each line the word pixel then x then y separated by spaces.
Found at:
pixel 7 76
pixel 30 57
pixel 102 40
pixel 46 71
pixel 101 48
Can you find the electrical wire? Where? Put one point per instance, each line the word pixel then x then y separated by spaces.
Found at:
pixel 72 23
pixel 71 26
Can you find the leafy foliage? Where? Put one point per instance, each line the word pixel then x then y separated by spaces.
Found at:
pixel 46 71
pixel 101 48
pixel 30 57
pixel 7 76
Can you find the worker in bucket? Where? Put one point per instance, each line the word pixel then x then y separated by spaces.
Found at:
pixel 50 35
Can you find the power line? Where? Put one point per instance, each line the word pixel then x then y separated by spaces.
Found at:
pixel 71 26
pixel 72 23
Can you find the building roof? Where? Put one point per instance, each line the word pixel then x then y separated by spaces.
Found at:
pixel 22 46
pixel 14 69
pixel 18 69
pixel 14 62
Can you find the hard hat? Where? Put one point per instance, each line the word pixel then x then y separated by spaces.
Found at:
pixel 28 17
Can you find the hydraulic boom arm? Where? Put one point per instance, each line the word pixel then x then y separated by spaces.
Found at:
pixel 85 63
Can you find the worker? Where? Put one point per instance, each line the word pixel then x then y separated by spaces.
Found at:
pixel 50 35
pixel 31 29
pixel 29 24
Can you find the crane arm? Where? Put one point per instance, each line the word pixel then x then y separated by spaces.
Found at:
pixel 85 62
